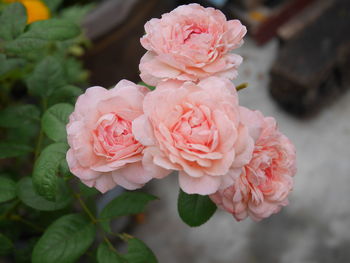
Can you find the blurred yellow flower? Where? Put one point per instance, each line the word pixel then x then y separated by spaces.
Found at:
pixel 36 9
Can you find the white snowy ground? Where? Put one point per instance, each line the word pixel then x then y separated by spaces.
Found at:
pixel 314 228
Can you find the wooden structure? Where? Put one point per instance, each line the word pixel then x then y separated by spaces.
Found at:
pixel 313 67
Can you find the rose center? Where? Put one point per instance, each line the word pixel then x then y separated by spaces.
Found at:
pixel 190 31
pixel 113 137
pixel 262 168
pixel 195 131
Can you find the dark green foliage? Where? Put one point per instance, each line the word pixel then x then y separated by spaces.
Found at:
pixel 65 240
pixel 195 209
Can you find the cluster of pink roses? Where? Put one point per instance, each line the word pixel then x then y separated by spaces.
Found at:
pixel 192 122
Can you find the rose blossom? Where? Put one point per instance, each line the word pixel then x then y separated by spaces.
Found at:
pixel 191 43
pixel 103 150
pixel 264 184
pixel 195 129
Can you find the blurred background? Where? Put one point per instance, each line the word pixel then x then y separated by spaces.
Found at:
pixel 296 61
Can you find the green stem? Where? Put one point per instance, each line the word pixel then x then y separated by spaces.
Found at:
pixel 44 102
pixel 110 245
pixel 125 237
pixel 41 133
pixel 241 86
pixel 12 208
pixel 94 220
pixel 26 222
pixel 85 208
pixel 39 143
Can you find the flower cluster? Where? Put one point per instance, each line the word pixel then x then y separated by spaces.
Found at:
pixel 192 122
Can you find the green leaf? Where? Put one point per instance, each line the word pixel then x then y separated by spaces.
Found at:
pixel 138 252
pixel 19 115
pixel 28 195
pixel 46 168
pixel 13 149
pixel 12 20
pixel 5 244
pixel 128 203
pixel 76 13
pixel 9 64
pixel 108 255
pixel 40 35
pixel 67 93
pixel 52 29
pixel 53 4
pixel 65 240
pixel 64 169
pixel 195 209
pixel 54 121
pixel 74 70
pixel 47 77
pixel 7 189
pixel 24 46
pixel 146 85
pixel 25 134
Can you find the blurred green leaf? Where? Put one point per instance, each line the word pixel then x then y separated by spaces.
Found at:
pixel 64 169
pixel 28 195
pixel 5 244
pixel 52 29
pixel 7 189
pixel 75 72
pixel 9 64
pixel 65 240
pixel 53 4
pixel 128 203
pixel 76 13
pixel 46 168
pixel 47 77
pixel 195 209
pixel 13 149
pixel 19 115
pixel 27 47
pixel 67 93
pixel 40 35
pixel 25 134
pixel 54 121
pixel 138 252
pixel 13 21
pixel 107 255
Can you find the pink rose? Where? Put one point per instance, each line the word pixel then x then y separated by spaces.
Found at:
pixel 195 129
pixel 263 186
pixel 103 150
pixel 191 43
